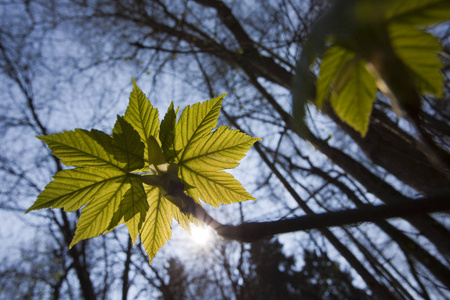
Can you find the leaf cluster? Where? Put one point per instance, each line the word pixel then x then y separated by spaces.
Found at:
pixel 126 177
pixel 368 46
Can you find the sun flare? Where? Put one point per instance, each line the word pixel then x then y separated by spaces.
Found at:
pixel 201 235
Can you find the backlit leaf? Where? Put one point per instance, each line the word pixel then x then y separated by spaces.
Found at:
pixel 71 189
pixel 155 154
pixel 214 187
pixel 353 104
pixel 109 195
pixel 128 141
pixel 418 50
pixel 204 153
pixel 156 229
pixel 82 148
pixel 218 150
pixel 132 209
pixel 142 116
pixel 167 134
pixel 332 63
pixel 97 215
pixel 195 122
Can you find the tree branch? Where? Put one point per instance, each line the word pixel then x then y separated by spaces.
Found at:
pixel 248 232
pixel 252 231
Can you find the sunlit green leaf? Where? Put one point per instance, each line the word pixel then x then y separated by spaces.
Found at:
pixel 418 50
pixel 332 63
pixel 128 141
pixel 167 134
pixel 353 104
pixel 142 116
pixel 82 148
pixel 132 209
pixel 203 153
pixel 156 229
pixel 155 154
pixel 218 150
pixel 97 215
pixel 214 187
pixel 195 122
pixel 71 189
pixel 110 195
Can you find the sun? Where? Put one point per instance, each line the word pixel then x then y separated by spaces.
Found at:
pixel 201 235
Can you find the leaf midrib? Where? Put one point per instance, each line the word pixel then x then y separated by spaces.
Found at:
pixel 182 162
pixel 102 182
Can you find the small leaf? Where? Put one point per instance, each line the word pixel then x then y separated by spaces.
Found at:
pixel 132 208
pixel 195 122
pixel 418 50
pixel 332 63
pixel 128 141
pixel 155 154
pixel 142 116
pixel 214 187
pixel 156 229
pixel 354 102
pixel 219 150
pixel 204 153
pixel 71 189
pixel 81 148
pixel 97 215
pixel 167 134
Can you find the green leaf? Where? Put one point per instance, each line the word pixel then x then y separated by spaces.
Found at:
pixel 155 154
pixel 97 215
pixel 418 50
pixel 132 209
pixel 71 189
pixel 156 229
pixel 110 195
pixel 195 122
pixel 204 153
pixel 214 187
pixel 218 150
pixel 353 104
pixel 128 141
pixel 333 61
pixel 418 12
pixel 142 116
pixel 167 134
pixel 81 148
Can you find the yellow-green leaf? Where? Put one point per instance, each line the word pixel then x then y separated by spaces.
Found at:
pixel 71 189
pixel 97 215
pixel 214 187
pixel 218 150
pixel 128 141
pixel 110 195
pixel 333 61
pixel 418 50
pixel 353 104
pixel 157 228
pixel 167 134
pixel 82 148
pixel 155 154
pixel 195 122
pixel 142 116
pixel 132 209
